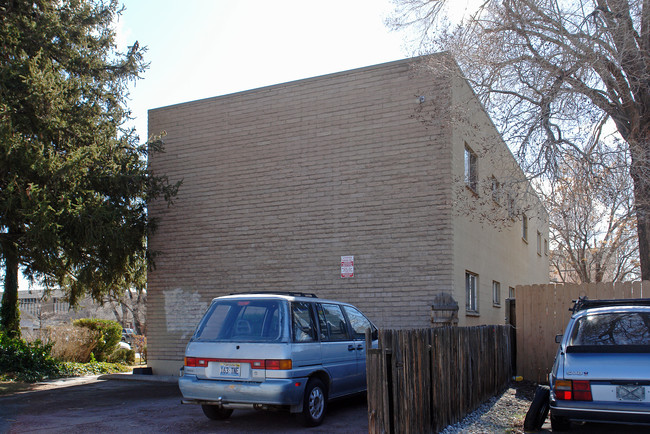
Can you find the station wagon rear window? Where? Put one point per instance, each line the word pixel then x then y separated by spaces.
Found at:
pixel 612 332
pixel 241 320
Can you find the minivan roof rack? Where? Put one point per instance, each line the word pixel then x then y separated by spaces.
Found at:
pixel 583 303
pixel 289 293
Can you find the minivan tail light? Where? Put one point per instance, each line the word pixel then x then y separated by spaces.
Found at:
pixel 272 364
pixel 283 364
pixel 576 390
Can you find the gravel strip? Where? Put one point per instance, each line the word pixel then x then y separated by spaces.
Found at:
pixel 503 413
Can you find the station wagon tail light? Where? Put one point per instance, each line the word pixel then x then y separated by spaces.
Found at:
pixel 576 390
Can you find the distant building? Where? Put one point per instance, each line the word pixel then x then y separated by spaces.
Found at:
pixel 38 312
pixel 384 186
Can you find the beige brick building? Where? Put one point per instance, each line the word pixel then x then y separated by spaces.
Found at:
pixel 396 165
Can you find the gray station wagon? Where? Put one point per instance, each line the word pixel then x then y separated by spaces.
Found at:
pixel 272 351
pixel 602 369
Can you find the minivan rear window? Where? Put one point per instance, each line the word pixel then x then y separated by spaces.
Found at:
pixel 241 320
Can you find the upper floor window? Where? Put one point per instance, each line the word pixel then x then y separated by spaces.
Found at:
pixel 539 243
pixel 524 227
pixel 496 190
pixel 471 169
pixel 545 246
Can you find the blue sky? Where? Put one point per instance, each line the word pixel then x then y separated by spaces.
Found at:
pixel 204 48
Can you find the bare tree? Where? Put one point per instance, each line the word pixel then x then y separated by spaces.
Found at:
pixel 130 305
pixel 591 218
pixel 554 76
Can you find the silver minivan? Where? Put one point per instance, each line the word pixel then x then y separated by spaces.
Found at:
pixel 265 350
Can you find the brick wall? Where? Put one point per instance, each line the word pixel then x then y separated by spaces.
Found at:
pixel 280 182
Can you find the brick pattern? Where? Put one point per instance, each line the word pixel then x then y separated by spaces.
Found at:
pixel 280 182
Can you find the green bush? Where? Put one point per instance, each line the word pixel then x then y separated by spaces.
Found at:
pixel 122 355
pixel 72 369
pixel 110 335
pixel 24 361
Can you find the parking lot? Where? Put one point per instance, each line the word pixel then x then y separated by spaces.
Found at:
pixel 105 404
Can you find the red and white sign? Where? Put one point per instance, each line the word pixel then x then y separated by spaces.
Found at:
pixel 347 267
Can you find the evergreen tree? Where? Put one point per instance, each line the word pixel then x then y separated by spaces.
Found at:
pixel 73 179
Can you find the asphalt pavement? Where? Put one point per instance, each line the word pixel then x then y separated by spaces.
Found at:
pixel 127 403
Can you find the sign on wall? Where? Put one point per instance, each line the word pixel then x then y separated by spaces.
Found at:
pixel 347 267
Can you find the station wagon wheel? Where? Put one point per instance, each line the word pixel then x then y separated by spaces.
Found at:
pixel 559 423
pixel 314 403
pixel 216 412
pixel 538 410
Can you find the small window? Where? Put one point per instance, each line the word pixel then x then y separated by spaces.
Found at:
pixel 496 191
pixel 332 323
pixel 524 227
pixel 471 169
pixel 471 289
pixel 512 211
pixel 545 246
pixel 496 293
pixel 539 243
pixel 359 324
pixel 511 292
pixel 302 322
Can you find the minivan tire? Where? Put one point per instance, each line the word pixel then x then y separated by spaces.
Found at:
pixel 538 410
pixel 216 412
pixel 314 404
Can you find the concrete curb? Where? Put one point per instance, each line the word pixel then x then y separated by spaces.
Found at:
pixel 137 377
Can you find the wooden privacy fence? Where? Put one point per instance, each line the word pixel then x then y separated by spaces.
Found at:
pixel 542 311
pixel 420 381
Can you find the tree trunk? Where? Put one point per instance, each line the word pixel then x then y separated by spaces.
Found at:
pixel 10 311
pixel 640 172
pixel 642 200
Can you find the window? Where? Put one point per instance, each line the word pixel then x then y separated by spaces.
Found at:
pixel 496 190
pixel 545 246
pixel 236 320
pixel 511 292
pixel 496 293
pixel 539 243
pixel 304 329
pixel 471 169
pixel 359 323
pixel 511 206
pixel 332 323
pixel 524 227
pixel 619 328
pixel 471 289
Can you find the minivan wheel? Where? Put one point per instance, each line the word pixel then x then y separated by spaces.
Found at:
pixel 314 403
pixel 216 412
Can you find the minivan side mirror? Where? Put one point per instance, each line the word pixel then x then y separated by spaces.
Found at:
pixel 558 338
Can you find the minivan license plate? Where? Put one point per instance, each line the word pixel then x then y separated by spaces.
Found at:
pixel 630 393
pixel 230 370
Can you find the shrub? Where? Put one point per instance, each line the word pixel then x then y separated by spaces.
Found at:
pixel 24 361
pixel 122 355
pixel 72 344
pixel 110 334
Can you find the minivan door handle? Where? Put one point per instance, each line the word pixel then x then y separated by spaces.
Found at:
pixel 350 347
pixel 360 347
